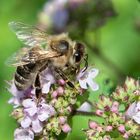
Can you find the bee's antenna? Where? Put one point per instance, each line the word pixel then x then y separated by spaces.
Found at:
pixel 86 62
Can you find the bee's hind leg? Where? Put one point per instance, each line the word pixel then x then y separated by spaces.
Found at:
pixel 37 86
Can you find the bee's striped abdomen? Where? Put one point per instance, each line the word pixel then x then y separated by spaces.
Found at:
pixel 24 76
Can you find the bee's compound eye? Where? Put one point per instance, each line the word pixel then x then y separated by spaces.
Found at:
pixel 80 49
pixel 63 46
pixel 77 57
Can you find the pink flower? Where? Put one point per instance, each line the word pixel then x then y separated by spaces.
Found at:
pixel 133 112
pixel 35 114
pixel 23 134
pixel 86 79
pixel 18 96
pixel 47 79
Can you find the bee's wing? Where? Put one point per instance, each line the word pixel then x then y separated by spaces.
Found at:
pixel 17 58
pixel 29 35
pixel 26 56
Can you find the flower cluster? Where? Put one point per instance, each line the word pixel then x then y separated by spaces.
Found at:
pixel 119 114
pixel 46 116
pixel 68 15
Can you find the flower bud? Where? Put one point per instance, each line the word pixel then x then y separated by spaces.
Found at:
pixel 60 91
pixel 121 128
pixel 92 124
pixel 137 92
pixel 69 109
pixel 66 128
pixel 17 113
pixel 115 107
pixel 54 94
pixel 104 103
pixel 53 102
pixel 126 136
pixel 99 112
pixel 99 129
pixel 107 138
pixel 109 128
pixel 61 82
pixel 62 119
pixel 81 90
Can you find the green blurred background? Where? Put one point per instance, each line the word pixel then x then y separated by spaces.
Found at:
pixel 119 43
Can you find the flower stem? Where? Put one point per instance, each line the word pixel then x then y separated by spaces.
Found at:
pixel 84 113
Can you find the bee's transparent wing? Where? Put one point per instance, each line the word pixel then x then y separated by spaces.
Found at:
pixel 17 58
pixel 29 35
pixel 26 56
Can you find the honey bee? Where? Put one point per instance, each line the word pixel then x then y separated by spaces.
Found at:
pixel 43 50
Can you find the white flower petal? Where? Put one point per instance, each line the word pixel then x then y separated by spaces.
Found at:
pixel 28 103
pixel 46 87
pixel 31 111
pixel 25 123
pixel 94 86
pixel 48 108
pixel 86 107
pixel 93 73
pixel 45 112
pixel 131 110
pixel 23 134
pixel 14 91
pixel 14 101
pixel 138 107
pixel 83 84
pixel 43 115
pixel 136 117
pixel 36 126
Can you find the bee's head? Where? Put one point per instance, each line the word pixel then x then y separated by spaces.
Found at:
pixel 78 54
